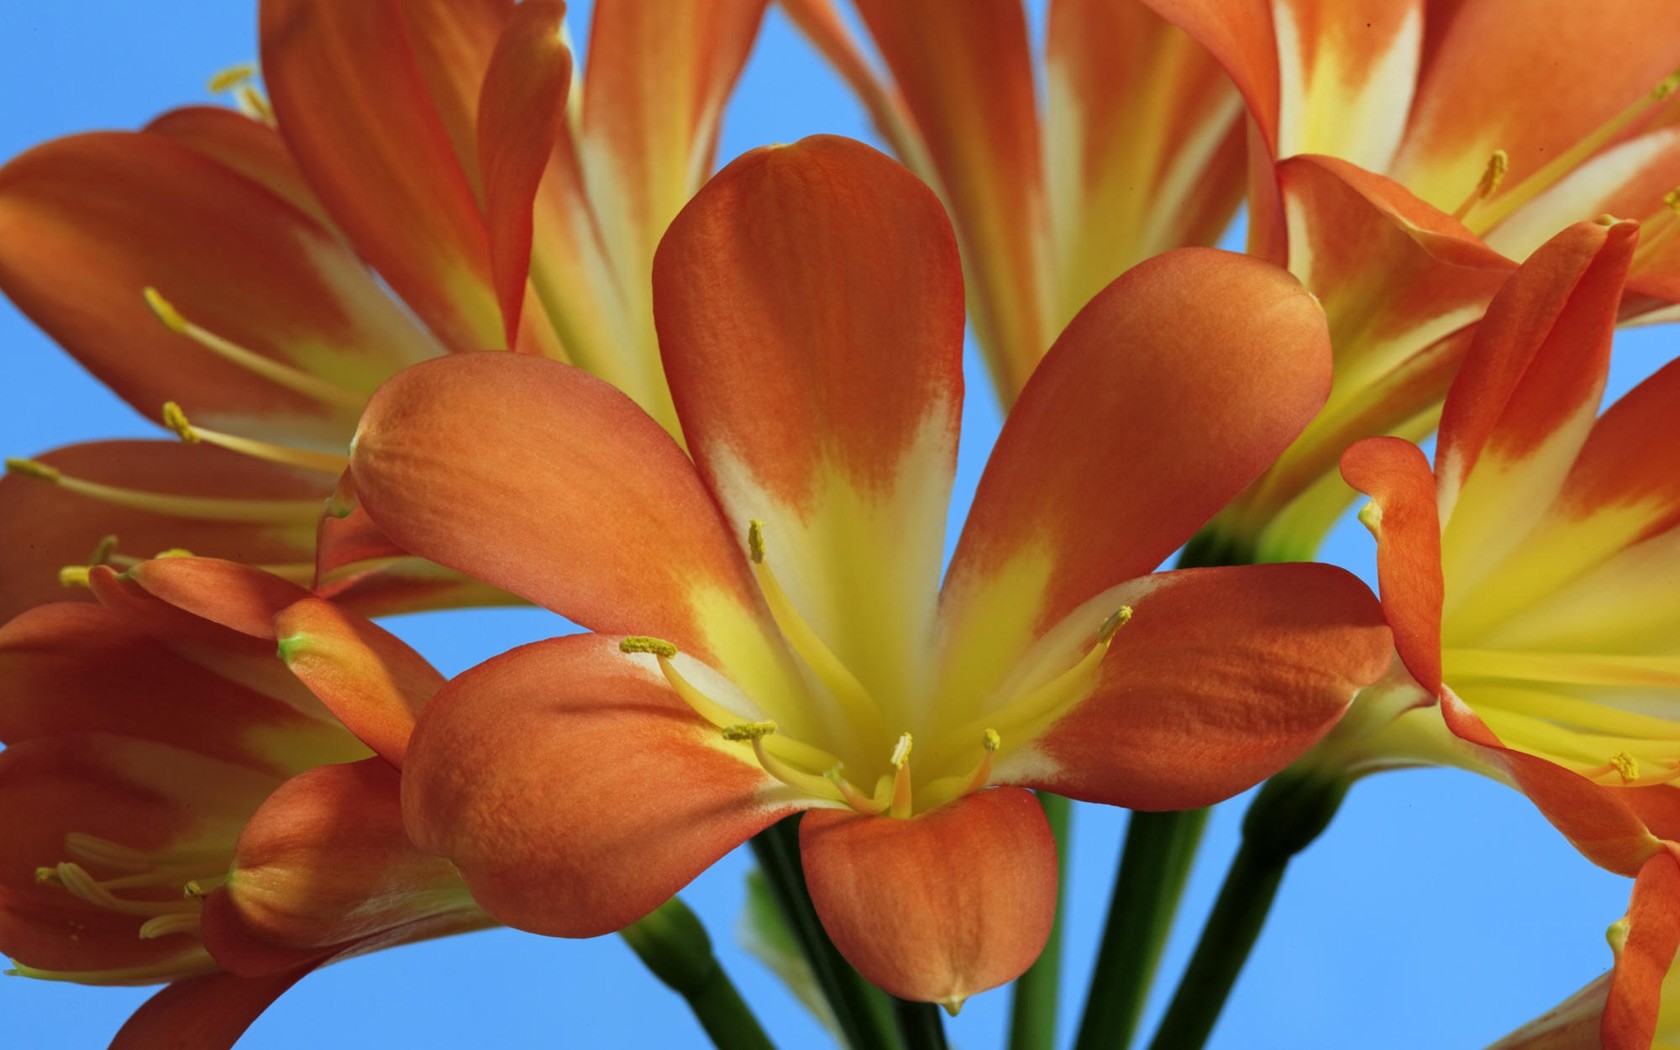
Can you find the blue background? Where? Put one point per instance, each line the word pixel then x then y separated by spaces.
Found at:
pixel 1439 910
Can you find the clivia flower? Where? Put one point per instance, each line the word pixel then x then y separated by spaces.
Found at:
pixel 1529 582
pixel 1406 154
pixel 424 181
pixel 772 633
pixel 179 808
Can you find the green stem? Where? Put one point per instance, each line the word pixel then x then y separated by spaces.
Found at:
pixel 863 1012
pixel 1288 814
pixel 1032 1018
pixel 1148 884
pixel 674 945
pixel 920 1024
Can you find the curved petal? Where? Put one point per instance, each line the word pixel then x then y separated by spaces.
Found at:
pixel 574 791
pixel 209 1012
pixel 536 477
pixel 1407 527
pixel 372 112
pixel 1241 36
pixel 213 502
pixel 240 597
pixel 940 906
pixel 87 223
pixel 249 147
pixel 1171 391
pixel 521 114
pixel 371 680
pixel 1221 678
pixel 965 73
pixel 809 304
pixel 1646 956
pixel 325 861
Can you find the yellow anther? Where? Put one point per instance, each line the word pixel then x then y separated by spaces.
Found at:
pixel 74 576
pixel 643 644
pixel 1666 86
pixel 901 751
pixel 1671 200
pixel 232 77
pixel 31 468
pixel 748 730
pixel 1111 626
pixel 991 740
pixel 1627 767
pixel 48 876
pixel 165 311
pixel 755 541
pixel 1492 175
pixel 903 795
pixel 194 891
pixel 176 420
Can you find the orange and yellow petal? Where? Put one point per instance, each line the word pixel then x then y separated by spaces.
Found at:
pixel 208 1012
pixel 574 790
pixel 940 906
pixel 1645 956
pixel 1220 678
pixel 249 147
pixel 379 114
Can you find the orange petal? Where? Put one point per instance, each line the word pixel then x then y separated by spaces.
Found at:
pixel 1645 958
pixel 249 147
pixel 1407 527
pixel 965 72
pixel 1145 143
pixel 76 669
pixel 89 222
pixel 209 1012
pixel 940 906
pixel 821 23
pixel 1134 430
pixel 239 597
pixel 1221 678
pixel 238 508
pixel 374 683
pixel 1241 36
pixel 325 861
pixel 574 791
pixel 373 100
pixel 536 477
pixel 521 114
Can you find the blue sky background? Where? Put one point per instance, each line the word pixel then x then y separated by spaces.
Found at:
pixel 1439 910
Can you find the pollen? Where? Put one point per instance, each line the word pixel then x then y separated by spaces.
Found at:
pixel 748 731
pixel 74 576
pixel 176 420
pixel 755 541
pixel 643 644
pixel 232 77
pixel 1627 767
pixel 1111 626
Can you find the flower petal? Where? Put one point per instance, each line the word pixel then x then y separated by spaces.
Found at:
pixel 574 791
pixel 1407 527
pixel 1221 678
pixel 209 1012
pixel 89 222
pixel 374 683
pixel 373 111
pixel 965 73
pixel 1167 394
pixel 325 861
pixel 533 476
pixel 809 304
pixel 1646 956
pixel 230 506
pixel 249 147
pixel 240 597
pixel 940 906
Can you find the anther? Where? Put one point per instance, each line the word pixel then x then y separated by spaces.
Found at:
pixel 232 77
pixel 194 890
pixel 1626 766
pixel 643 644
pixel 31 468
pixel 748 730
pixel 74 576
pixel 1492 175
pixel 1111 626
pixel 902 791
pixel 176 420
pixel 755 541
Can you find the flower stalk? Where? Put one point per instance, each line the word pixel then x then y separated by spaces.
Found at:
pixel 676 949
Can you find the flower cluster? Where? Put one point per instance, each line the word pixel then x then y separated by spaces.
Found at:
pixel 438 319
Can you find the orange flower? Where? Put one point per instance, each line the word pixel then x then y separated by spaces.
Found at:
pixel 232 277
pixel 165 788
pixel 1140 151
pixel 773 636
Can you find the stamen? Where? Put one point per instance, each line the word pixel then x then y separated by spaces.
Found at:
pixel 166 925
pixel 203 508
pixel 103 550
pixel 756 733
pixel 232 77
pixel 948 789
pixel 854 798
pixel 1659 228
pixel 1627 767
pixel 857 706
pixel 902 795
pixel 254 104
pixel 78 883
pixel 1492 175
pixel 74 576
pixel 643 644
pixel 324 462
pixel 280 374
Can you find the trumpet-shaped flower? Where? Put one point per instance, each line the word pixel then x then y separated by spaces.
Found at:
pixel 1529 577
pixel 1400 163
pixel 424 181
pixel 772 633
pixel 179 808
pixel 1140 150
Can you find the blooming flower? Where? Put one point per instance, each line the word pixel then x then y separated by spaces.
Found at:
pixel 773 637
pixel 1401 163
pixel 1528 580
pixel 179 808
pixel 1140 151
pixel 233 280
